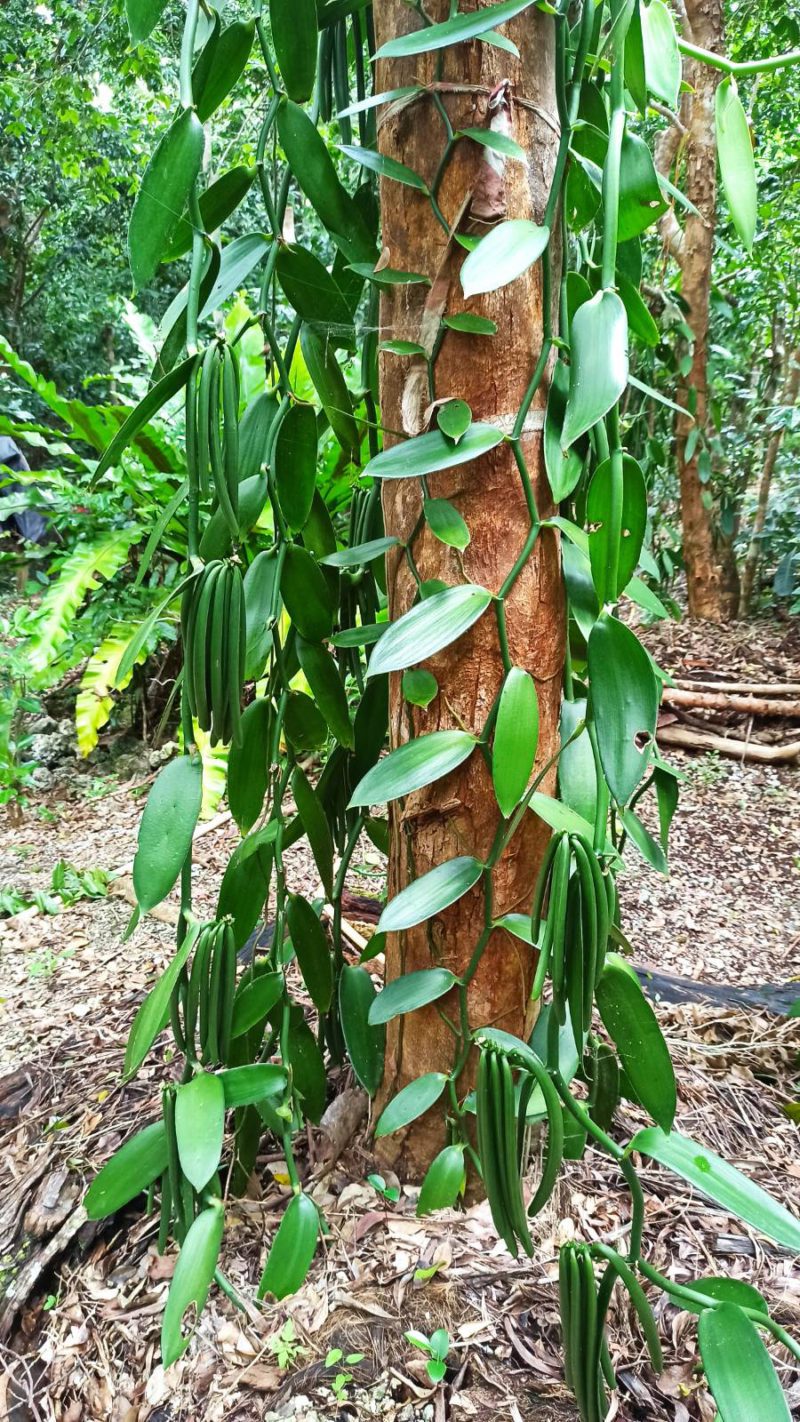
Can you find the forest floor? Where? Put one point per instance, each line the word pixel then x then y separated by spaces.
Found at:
pixel 82 1333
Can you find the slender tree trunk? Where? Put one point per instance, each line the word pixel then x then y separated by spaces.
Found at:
pixel 791 389
pixel 459 815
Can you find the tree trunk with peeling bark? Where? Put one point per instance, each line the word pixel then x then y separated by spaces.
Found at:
pixel 789 395
pixel 480 86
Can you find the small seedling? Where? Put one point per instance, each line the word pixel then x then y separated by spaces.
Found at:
pixel 437 1347
pixel 342 1380
pixel 284 1346
pixel 389 1192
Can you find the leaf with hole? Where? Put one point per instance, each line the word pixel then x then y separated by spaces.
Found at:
pixel 191 1281
pixel 736 165
pixel 723 1184
pixel 431 893
pixel 598 372
pixel 199 1126
pixel 632 524
pixel 365 1040
pixel 624 704
pixel 454 418
pixel 641 202
pixel 410 1103
pixel 516 736
pixel 163 195
pixel 506 251
pixel 409 767
pixel 429 627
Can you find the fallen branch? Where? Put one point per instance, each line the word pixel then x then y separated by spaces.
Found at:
pixel 746 688
pixel 688 739
pixel 729 701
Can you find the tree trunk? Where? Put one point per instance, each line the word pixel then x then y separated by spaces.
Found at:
pixel 789 395
pixel 459 814
pixel 708 588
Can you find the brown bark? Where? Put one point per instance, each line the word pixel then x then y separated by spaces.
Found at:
pixel 789 395
pixel 459 815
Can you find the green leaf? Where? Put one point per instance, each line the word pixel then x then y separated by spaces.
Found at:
pixel 296 464
pixel 625 700
pixel 155 399
pixel 239 259
pixel 311 947
pixel 420 687
pixel 360 553
pixel 245 1085
pixel 327 688
pixel 143 16
pixel 444 1181
pixel 429 627
pixel 194 1272
pixel 308 1070
pixel 305 726
pixel 736 165
pixel 403 348
pixel 314 293
pixel 470 324
pixel 633 1028
pixel 163 195
pixel 633 524
pixel 329 383
pixel 409 767
pixel 384 167
pixel 455 31
pixel 708 1173
pixel 215 76
pixel 506 251
pixel 262 604
pixel 577 776
pixel 498 142
pixel 292 1250
pixel 409 992
pixel 365 1041
pixel 640 199
pixel 293 26
pixel 254 999
pixel 738 1367
pixel 413 1101
pixel 219 200
pixel 454 418
pixel 432 452
pixel 248 764
pixel 430 893
pixel 719 1289
pixel 316 176
pixel 635 79
pixel 316 826
pixel 640 321
pixel 662 58
pixel 199 1127
pixel 648 847
pixel 245 883
pixel 388 276
pixel 564 466
pixel 130 1170
pixel 560 817
pixel 446 523
pixel 152 1014
pixel 516 736
pixel 166 829
pixel 598 372
pixel 305 593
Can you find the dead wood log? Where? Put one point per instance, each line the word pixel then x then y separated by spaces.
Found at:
pixel 729 701
pixel 688 739
pixel 743 688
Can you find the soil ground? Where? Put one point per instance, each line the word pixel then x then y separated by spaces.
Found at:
pixel 85 1342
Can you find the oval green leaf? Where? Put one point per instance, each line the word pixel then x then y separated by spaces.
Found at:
pixel 429 627
pixel 199 1127
pixel 432 452
pixel 163 195
pixel 329 383
pixel 455 31
pixel 516 737
pixel 430 893
pixel 384 167
pixel 662 60
pixel 564 466
pixel 507 251
pixel 411 766
pixel 130 1170
pixel 444 1181
pixel 292 1250
pixel 293 25
pixel 248 764
pixel 327 688
pixel 598 372
pixel 365 1040
pixel 633 524
pixel 313 953
pixel 633 1028
pixel 305 594
pixel 315 824
pixel 407 993
pixel 413 1101
pixel 444 520
pixel 736 165
pixel 254 1000
pixel 296 464
pixel 166 829
pixel 738 1367
pixel 191 1281
pixel 624 700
